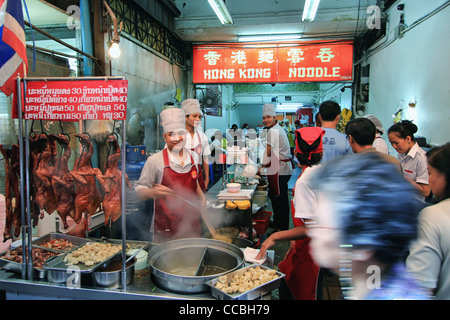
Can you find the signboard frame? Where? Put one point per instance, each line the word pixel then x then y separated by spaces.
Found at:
pixel 308 61
pixel 27 264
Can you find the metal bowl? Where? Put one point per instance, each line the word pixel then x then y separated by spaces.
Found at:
pixel 243 243
pixel 109 274
pixel 185 265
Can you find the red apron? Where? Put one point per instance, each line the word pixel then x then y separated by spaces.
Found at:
pixel 272 179
pixel 299 267
pixel 174 218
pixel 198 149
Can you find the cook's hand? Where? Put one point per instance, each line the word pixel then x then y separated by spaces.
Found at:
pixel 159 191
pixel 270 241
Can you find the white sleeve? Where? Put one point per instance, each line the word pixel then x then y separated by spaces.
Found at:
pixel 305 201
pixel 151 173
pixel 422 171
pixel 425 255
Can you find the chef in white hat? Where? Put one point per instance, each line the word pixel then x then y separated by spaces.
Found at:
pixel 196 140
pixel 379 142
pixel 168 177
pixel 277 162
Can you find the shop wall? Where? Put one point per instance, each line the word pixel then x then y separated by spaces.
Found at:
pixel 414 68
pixel 152 81
pixel 332 91
pixel 251 114
pixel 229 116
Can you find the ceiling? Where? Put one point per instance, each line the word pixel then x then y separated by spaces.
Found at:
pixel 335 18
pixel 43 15
pixel 198 23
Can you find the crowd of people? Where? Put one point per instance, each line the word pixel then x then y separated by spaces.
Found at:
pixel 377 221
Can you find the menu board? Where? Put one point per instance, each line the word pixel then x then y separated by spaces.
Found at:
pixel 73 100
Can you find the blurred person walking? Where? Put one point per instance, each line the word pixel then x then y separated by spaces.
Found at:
pixel 358 235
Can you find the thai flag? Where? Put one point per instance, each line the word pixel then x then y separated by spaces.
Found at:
pixel 13 54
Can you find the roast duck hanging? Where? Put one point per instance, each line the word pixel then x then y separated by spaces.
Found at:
pixel 87 196
pixel 53 187
pixel 111 183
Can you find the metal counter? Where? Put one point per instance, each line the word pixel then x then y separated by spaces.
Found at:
pixel 142 288
pixel 226 218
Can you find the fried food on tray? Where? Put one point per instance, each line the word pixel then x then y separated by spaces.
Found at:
pixel 92 253
pixel 249 280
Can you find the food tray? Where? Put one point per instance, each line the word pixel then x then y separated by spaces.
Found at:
pixel 17 267
pixel 133 244
pixel 76 241
pixel 252 294
pixel 58 264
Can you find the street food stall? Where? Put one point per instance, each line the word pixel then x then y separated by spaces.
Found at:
pixel 63 266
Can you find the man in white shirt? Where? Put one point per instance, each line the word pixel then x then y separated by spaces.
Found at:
pixel 277 160
pixel 196 139
pixel 168 177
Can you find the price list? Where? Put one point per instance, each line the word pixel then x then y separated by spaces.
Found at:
pixel 73 100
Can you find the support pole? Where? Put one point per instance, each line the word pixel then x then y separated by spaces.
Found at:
pixel 22 184
pixel 124 224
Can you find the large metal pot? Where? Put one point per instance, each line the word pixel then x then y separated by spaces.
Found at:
pixel 185 265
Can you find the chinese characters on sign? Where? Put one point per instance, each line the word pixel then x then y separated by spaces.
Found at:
pixel 70 100
pixel 310 62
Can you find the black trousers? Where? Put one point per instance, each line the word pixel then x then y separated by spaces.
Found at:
pixel 280 205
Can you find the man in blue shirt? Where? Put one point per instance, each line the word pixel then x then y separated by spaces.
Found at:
pixel 335 143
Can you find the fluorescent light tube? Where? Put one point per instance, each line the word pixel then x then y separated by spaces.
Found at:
pixel 270 37
pixel 310 10
pixel 221 11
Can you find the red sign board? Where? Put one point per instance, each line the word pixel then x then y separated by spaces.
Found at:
pixel 73 100
pixel 299 62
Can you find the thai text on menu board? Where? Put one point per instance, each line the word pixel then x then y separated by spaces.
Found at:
pixel 237 64
pixel 73 100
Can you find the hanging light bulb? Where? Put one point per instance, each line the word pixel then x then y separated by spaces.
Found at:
pixel 114 50
pixel 113 44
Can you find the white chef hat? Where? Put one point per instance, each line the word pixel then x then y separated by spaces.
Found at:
pixel 376 122
pixel 173 119
pixel 191 106
pixel 269 110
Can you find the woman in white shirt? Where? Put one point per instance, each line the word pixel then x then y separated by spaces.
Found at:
pixel 298 265
pixel 429 258
pixel 412 157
